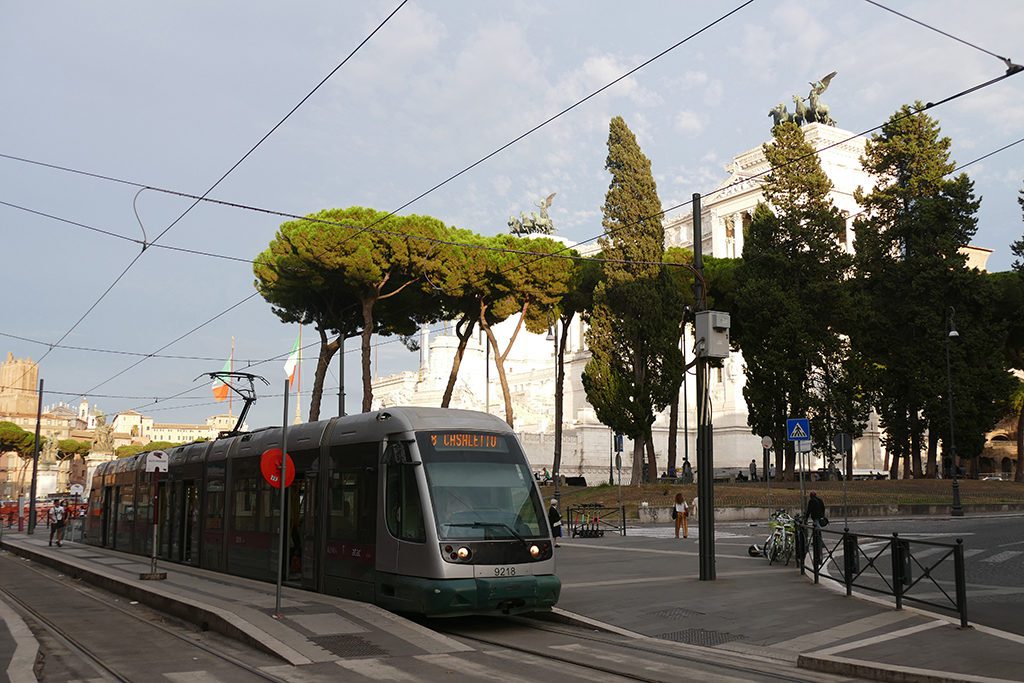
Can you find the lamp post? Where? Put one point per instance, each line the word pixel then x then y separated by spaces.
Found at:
pixel 556 463
pixel 957 509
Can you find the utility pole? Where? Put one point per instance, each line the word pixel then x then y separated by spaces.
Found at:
pixel 705 453
pixel 341 375
pixel 35 465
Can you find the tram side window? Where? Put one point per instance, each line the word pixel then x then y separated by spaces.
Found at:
pixel 404 510
pixel 344 506
pixel 127 504
pixel 270 503
pixel 215 498
pixel 245 504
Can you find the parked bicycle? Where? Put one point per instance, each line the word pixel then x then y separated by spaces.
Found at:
pixel 781 542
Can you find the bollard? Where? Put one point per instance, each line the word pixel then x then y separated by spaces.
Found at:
pixel 851 559
pixel 897 570
pixel 961 582
pixel 801 547
pixel 816 552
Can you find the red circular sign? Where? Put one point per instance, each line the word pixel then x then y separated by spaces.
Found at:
pixel 270 466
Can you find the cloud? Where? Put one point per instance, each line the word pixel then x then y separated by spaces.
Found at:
pixel 689 122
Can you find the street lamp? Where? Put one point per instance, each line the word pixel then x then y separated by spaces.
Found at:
pixel 957 510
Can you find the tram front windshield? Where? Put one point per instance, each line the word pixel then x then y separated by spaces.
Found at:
pixel 480 487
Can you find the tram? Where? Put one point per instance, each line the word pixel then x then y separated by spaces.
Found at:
pixel 428 511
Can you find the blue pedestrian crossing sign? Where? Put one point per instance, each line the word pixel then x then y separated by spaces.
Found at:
pixel 798 429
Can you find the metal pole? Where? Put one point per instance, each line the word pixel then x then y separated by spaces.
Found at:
pixel 957 510
pixel 35 465
pixel 686 409
pixel 705 451
pixel 802 458
pixel 281 483
pixel 556 464
pixel 341 375
pixel 961 582
pixel 487 374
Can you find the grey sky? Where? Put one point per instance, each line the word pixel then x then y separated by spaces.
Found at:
pixel 172 94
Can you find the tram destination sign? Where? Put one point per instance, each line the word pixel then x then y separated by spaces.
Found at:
pixel 468 441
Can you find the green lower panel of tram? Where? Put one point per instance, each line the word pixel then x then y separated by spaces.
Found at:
pixel 454 597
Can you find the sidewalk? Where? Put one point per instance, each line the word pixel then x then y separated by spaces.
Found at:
pixel 314 627
pixel 648 584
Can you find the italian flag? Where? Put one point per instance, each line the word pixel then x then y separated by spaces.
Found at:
pixel 220 387
pixel 292 364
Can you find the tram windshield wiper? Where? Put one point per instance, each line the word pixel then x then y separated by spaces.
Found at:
pixel 484 525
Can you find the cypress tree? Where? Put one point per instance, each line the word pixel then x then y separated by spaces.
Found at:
pixel 635 366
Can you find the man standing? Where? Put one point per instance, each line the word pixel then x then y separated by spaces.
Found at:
pixel 57 515
pixel 555 520
pixel 753 470
pixel 815 510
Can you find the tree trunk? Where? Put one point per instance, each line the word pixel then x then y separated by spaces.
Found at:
pixel 673 410
pixel 933 449
pixel 652 460
pixel 638 459
pixel 1020 445
pixel 915 444
pixel 366 336
pixel 327 351
pixel 469 323
pixel 559 398
pixel 499 357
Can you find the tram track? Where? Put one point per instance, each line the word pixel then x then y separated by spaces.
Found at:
pixel 89 654
pixel 750 671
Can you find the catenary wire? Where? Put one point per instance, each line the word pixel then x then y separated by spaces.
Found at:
pixel 959 167
pixel 1004 60
pixel 196 202
pixel 913 112
pixel 520 252
pixel 197 198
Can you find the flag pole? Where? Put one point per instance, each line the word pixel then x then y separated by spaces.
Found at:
pixel 298 382
pixel 231 361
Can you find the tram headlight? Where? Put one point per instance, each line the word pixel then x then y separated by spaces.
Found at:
pixel 463 553
pixel 534 551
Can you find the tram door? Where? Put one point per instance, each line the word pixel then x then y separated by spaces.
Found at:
pixel 294 523
pixel 350 550
pixel 310 539
pixel 190 523
pixel 106 516
pixel 113 509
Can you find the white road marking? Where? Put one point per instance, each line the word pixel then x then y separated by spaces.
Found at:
pixel 1003 556
pixel 885 637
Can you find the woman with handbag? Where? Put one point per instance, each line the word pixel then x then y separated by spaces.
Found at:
pixel 680 512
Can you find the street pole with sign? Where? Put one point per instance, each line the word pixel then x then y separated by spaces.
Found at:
pixel 156 462
pixel 798 430
pixel 844 444
pixel 283 483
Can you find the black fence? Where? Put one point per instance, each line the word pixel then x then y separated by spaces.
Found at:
pixel 591 520
pixel 900 567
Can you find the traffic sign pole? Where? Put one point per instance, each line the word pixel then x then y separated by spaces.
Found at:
pixel 281 483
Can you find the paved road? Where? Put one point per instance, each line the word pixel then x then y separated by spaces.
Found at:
pixel 993 551
pixel 994 559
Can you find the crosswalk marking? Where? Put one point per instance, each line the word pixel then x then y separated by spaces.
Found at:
pixel 377 670
pixel 972 553
pixel 1003 556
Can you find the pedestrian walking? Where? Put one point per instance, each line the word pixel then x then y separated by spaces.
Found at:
pixel 555 520
pixel 56 516
pixel 771 471
pixel 680 512
pixel 753 469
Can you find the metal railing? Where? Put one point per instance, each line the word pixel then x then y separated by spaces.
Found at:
pixel 900 567
pixel 591 520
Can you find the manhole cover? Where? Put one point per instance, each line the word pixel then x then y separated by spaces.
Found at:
pixel 700 636
pixel 677 613
pixel 349 646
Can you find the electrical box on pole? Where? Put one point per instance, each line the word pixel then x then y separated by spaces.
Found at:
pixel 712 334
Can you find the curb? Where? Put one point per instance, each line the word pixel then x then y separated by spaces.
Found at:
pixel 21 668
pixel 206 617
pixel 893 673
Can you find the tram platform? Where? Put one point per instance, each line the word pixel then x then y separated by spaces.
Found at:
pixel 646 584
pixel 313 628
